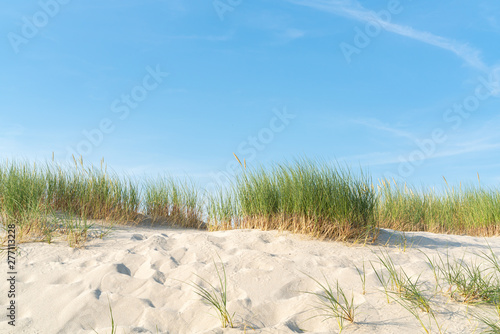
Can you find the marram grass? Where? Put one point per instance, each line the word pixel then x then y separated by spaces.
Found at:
pixel 306 196
pixel 333 303
pixel 48 200
pixel 91 193
pixel 472 210
pixel 177 202
pixel 303 197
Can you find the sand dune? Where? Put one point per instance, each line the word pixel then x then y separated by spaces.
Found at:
pixel 141 272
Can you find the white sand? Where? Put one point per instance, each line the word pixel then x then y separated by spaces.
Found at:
pixel 65 290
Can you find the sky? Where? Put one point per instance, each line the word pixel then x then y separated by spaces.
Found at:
pixel 403 89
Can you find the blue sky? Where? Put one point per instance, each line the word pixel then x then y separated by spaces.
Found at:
pixel 404 89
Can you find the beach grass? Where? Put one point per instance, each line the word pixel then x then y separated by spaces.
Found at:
pixel 178 202
pixel 362 276
pixel 90 192
pixel 216 297
pixel 490 320
pixel 406 291
pixel 334 303
pixel 48 200
pixel 470 282
pixel 114 327
pixel 467 209
pixel 327 201
pixel 221 208
pixel 308 197
pixel 474 282
pixel 34 197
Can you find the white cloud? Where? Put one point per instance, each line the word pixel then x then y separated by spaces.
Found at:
pixel 211 38
pixel 294 33
pixel 484 139
pixel 354 10
pixel 378 125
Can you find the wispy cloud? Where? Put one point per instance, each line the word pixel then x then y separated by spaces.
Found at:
pixel 467 149
pixel 490 12
pixel 378 125
pixel 450 149
pixel 354 10
pixel 276 24
pixel 292 33
pixel 372 158
pixel 485 138
pixel 390 158
pixel 210 38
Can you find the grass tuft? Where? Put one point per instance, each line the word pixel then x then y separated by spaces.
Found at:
pixel 306 196
pixel 472 210
pixel 470 283
pixel 406 291
pixel 216 297
pixel 303 197
pixel 334 304
pixel 174 201
pixel 48 200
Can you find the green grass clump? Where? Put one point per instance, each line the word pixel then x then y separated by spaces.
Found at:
pixel 308 197
pixel 91 193
pixel 178 202
pixel 406 292
pixel 334 304
pixel 401 284
pixel 31 196
pixel 473 283
pixel 23 201
pixel 216 297
pixel 469 282
pixel 490 321
pixel 304 197
pixel 471 210
pixel 221 210
pixel 47 200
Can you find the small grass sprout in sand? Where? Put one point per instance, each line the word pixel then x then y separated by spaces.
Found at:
pixel 470 283
pixel 491 322
pixel 395 281
pixel 114 327
pixel 334 304
pixel 414 301
pixel 362 276
pixel 216 297
pixel 415 311
pixel 405 291
pixel 492 258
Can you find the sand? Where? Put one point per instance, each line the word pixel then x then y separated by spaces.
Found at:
pixel 141 272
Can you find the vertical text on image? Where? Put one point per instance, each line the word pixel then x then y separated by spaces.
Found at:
pixel 11 274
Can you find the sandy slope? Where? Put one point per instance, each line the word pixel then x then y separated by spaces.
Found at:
pixel 140 270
